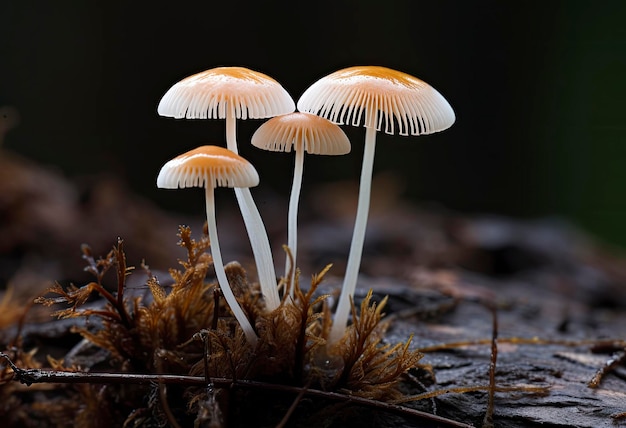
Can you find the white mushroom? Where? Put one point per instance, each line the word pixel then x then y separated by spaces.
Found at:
pixel 373 96
pixel 301 132
pixel 235 93
pixel 211 167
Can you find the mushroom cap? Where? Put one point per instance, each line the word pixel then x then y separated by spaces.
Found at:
pixel 208 94
pixel 207 166
pixel 344 95
pixel 301 131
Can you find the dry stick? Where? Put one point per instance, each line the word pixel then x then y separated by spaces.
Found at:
pixel 522 341
pixel 204 336
pixel 465 389
pixel 163 396
pixel 283 422
pixel 616 359
pixel 116 301
pixel 166 407
pixel 420 384
pixel 30 376
pixel 210 390
pixel 205 359
pixel 207 343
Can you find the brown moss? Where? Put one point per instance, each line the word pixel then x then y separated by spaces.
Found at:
pixel 188 330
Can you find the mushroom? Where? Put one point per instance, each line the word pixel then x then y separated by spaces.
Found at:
pixel 302 132
pixel 235 93
pixel 373 95
pixel 210 167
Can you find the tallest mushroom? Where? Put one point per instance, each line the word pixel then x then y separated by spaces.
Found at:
pixel 233 93
pixel 375 96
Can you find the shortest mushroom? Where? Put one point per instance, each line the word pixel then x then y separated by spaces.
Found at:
pixel 302 132
pixel 210 167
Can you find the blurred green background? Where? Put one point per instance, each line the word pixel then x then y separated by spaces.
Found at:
pixel 538 88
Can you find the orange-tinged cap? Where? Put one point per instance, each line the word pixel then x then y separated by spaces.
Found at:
pixel 208 95
pixel 301 131
pixel 207 165
pixel 401 100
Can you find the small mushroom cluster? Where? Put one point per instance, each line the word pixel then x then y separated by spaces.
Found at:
pixel 362 95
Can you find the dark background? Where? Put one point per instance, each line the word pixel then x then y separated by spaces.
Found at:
pixel 538 88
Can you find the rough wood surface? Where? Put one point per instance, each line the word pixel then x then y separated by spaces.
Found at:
pixel 547 280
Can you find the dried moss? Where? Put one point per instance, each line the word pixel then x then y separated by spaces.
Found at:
pixel 187 329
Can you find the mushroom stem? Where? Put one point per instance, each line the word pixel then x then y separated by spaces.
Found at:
pixel 358 236
pixel 292 221
pixel 231 130
pixel 254 226
pixel 221 273
pixel 260 247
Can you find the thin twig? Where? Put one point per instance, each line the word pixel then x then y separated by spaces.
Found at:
pixel 163 393
pixel 30 376
pixel 520 341
pixel 466 389
pixel 292 408
pixel 616 359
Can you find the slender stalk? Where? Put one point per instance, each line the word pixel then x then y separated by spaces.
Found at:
pixel 260 247
pixel 254 226
pixel 221 273
pixel 31 376
pixel 358 236
pixel 231 130
pixel 292 221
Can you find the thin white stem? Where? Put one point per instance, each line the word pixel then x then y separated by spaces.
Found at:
pixel 358 236
pixel 292 221
pixel 221 273
pixel 254 226
pixel 260 247
pixel 231 130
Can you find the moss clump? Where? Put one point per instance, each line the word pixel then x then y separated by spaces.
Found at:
pixel 187 329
